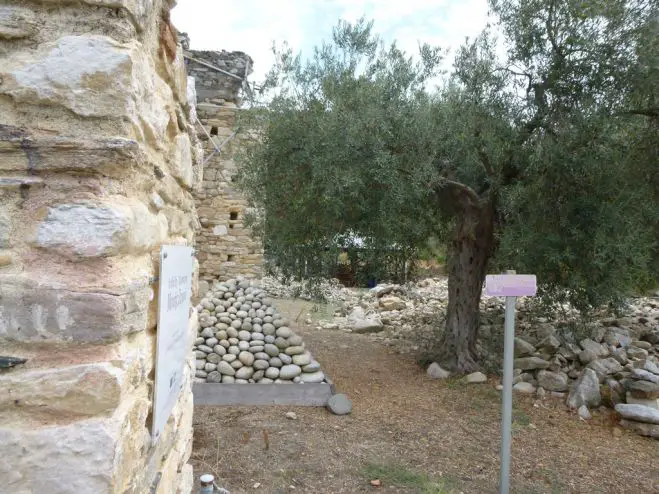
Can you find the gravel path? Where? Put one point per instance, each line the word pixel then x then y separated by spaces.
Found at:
pixel 443 431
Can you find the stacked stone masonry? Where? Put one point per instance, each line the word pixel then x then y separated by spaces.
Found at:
pixel 98 159
pixel 225 247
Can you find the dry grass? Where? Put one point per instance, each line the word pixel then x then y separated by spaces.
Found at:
pixel 414 433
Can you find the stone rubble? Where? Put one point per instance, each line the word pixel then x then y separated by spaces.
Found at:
pixel 243 339
pixel 606 361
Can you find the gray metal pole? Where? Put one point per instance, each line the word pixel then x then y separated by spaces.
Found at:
pixel 507 402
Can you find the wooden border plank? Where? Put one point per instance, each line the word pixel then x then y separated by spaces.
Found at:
pixel 308 394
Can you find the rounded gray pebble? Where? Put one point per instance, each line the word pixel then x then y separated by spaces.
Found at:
pixel 213 358
pixel 229 357
pixel 289 371
pixel 271 350
pixel 265 380
pixel 283 331
pixel 233 341
pixel 225 343
pixel 234 350
pixel 286 359
pixel 243 345
pixel 276 362
pixel 261 364
pixel 258 336
pixel 261 356
pixel 294 350
pixel 211 342
pixel 256 349
pixel 295 340
pixel 200 364
pixel 244 373
pixel 214 377
pixel 236 364
pixel 258 375
pixel 339 404
pixel 272 373
pixel 281 342
pixel 220 350
pixel 269 339
pixel 228 379
pixel 246 358
pixel 209 367
pixel 232 332
pixel 236 323
pixel 225 369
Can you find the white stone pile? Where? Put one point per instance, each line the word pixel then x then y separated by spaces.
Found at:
pixel 243 339
pixel 605 362
pixel 331 290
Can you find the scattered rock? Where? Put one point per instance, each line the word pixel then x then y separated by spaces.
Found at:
pixel 649 430
pixel 643 389
pixel 584 413
pixel 638 413
pixel 523 348
pixel 392 303
pixel 291 415
pixel 524 388
pixel 553 381
pixel 436 372
pixel 476 378
pixel 531 363
pixel 585 391
pixel 339 404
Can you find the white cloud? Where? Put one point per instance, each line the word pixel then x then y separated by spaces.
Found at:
pixel 252 25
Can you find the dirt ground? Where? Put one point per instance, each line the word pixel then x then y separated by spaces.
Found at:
pixel 413 434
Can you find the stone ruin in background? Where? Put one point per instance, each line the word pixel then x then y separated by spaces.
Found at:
pixel 224 246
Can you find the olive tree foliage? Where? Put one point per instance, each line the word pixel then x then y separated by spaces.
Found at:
pixel 544 162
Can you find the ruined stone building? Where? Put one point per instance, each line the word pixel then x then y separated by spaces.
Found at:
pixel 98 161
pixel 224 246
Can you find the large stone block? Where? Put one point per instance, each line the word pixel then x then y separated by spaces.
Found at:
pixel 26 152
pixel 182 162
pixel 93 76
pixel 96 230
pixel 76 391
pixel 5 231
pixel 16 22
pixel 59 460
pixel 33 312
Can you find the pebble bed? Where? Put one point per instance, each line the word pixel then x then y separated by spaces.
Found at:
pixel 243 339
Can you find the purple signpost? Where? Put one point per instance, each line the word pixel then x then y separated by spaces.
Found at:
pixel 511 286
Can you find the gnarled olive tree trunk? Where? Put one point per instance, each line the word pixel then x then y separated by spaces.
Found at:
pixel 470 249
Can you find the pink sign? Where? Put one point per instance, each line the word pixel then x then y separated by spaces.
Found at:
pixel 510 285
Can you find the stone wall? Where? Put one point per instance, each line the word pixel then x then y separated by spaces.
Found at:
pixel 98 158
pixel 224 245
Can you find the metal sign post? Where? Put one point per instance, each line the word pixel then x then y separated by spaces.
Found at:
pixel 511 286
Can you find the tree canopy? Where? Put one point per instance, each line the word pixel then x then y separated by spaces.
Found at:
pixel 544 161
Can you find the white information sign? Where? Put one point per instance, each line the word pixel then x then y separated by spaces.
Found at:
pixel 172 336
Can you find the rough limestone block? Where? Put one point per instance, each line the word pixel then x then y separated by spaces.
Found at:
pixel 5 230
pixel 16 22
pixel 80 390
pixel 93 76
pixel 87 230
pixel 33 312
pixel 182 162
pixel 59 460
pixel 21 151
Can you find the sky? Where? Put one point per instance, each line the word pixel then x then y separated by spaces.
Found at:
pixel 251 26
